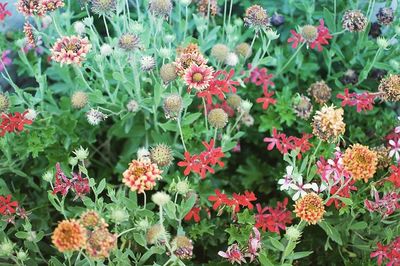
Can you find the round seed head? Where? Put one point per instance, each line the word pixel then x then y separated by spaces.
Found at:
pixel 389 88
pixel 168 73
pixel 309 33
pixel 162 155
pixel 234 101
pixel 243 49
pixel 220 52
pixel 354 21
pixel 173 106
pixel 103 7
pixel 129 42
pixel 4 103
pixel 79 99
pixel 385 15
pixel 218 118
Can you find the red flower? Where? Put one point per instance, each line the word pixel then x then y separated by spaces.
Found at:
pixel 192 163
pixel 194 214
pixel 63 184
pixel 237 200
pixel 220 199
pixel 364 101
pixel 285 144
pixel 245 200
pixel 322 38
pixel 13 123
pixel 80 185
pixel 267 99
pixel 259 77
pixel 3 12
pixel 394 177
pixel 212 155
pixel 7 206
pixel 388 253
pixel 345 192
pixel 273 219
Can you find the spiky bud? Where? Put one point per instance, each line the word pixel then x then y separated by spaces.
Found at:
pixel 172 106
pixel 162 155
pixel 4 103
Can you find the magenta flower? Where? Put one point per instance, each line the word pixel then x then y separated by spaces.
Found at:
pixel 4 12
pixel 233 254
pixel 5 60
pixel 254 244
pixel 321 37
pixel 387 205
pixel 363 101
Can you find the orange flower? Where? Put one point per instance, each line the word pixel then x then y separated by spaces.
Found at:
pixel 141 176
pixel 100 242
pixel 69 236
pixel 310 208
pixel 360 162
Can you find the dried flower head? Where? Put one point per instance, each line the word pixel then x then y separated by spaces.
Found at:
pixel 94 117
pixel 4 102
pixel 191 48
pixel 182 247
pixel 79 99
pixel 234 101
pixel 100 243
pixel 162 155
pixel 205 6
pixel 141 176
pixel 302 106
pixel 389 88
pixel 309 33
pixel 160 8
pixel 243 49
pixel 30 114
pixel 360 162
pixel 52 5
pixel 328 123
pixel 256 17
pixel 172 106
pixel 354 21
pixel 31 8
pixel 69 236
pixel 320 91
pixel 384 160
pixel 29 36
pixel 220 52
pixel 350 77
pixel 160 198
pixel 147 63
pixel 198 77
pixel 91 219
pixel 168 73
pixel 103 7
pixel 310 208
pixel 385 15
pixel 217 118
pixel 232 59
pixel 156 235
pixel 129 42
pixel 132 106
pixel 70 50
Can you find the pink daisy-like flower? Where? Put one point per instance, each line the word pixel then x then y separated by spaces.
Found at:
pixel 198 77
pixel 70 50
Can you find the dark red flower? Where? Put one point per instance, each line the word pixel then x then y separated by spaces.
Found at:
pixel 259 77
pixel 7 206
pixel 62 183
pixel 285 144
pixel 220 199
pixel 13 123
pixel 80 185
pixel 273 219
pixel 194 214
pixel 394 177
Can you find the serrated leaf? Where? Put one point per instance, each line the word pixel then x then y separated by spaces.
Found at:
pixel 332 232
pixel 278 245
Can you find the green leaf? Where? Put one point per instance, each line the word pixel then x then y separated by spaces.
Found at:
pixel 299 255
pixel 21 235
pixel 278 245
pixel 170 210
pixel 190 118
pixel 332 232
pixel 264 260
pixel 140 239
pixel 358 226
pixel 187 206
pixel 101 186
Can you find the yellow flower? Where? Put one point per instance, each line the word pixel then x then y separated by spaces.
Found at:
pixel 360 162
pixel 310 208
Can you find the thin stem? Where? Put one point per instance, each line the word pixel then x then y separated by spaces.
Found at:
pixel 312 159
pixel 224 25
pixel 126 231
pixel 83 78
pixel 205 113
pixel 290 60
pixel 144 197
pixel 186 22
pixel 56 25
pixel 378 52
pixel 230 13
pixel 161 216
pixel 105 25
pixel 180 133
pixel 252 41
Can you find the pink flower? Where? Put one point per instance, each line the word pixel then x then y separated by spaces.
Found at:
pixel 385 206
pixel 233 254
pixel 254 244
pixel 259 77
pixel 389 253
pixel 267 99
pixel 284 144
pixel 5 60
pixel 63 184
pixel 364 101
pixel 332 169
pixel 70 50
pixel 296 39
pixel 198 77
pixel 3 11
pixel 394 149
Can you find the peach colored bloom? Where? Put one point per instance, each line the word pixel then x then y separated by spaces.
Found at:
pixel 70 50
pixel 100 242
pixel 310 208
pixel 51 5
pixel 183 62
pixel 69 236
pixel 141 176
pixel 360 162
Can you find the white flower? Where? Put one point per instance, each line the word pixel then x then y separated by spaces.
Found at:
pixel 287 179
pixel 81 153
pixel 106 50
pixel 94 117
pixel 143 155
pixel 300 188
pixel 232 59
pixel 185 2
pixel 147 63
pixel 31 114
pixel 395 149
pixel 79 27
pixel 160 198
pixel 165 52
pixel 245 106
pixel 272 35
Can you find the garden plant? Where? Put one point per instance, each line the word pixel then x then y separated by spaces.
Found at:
pixel 200 132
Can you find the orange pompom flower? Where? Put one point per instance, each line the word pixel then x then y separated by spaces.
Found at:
pixel 69 236
pixel 141 176
pixel 310 208
pixel 360 162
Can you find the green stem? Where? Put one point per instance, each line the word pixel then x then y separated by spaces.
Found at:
pixel 290 60
pixel 180 132
pixel 205 113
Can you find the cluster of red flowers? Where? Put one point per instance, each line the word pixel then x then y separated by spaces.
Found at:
pixel 389 253
pixel 321 39
pixel 220 84
pixel 363 101
pixel 285 144
pixel 10 209
pixel 201 163
pixel 345 192
pixel 394 177
pixel 235 202
pixel 260 77
pixel 13 123
pixel 273 219
pixel 63 184
pixel 194 214
pixel 386 205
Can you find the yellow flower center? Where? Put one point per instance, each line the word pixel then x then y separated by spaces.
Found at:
pixel 139 171
pixel 197 77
